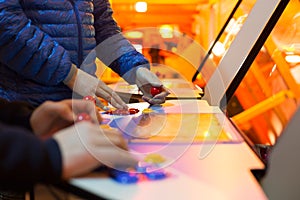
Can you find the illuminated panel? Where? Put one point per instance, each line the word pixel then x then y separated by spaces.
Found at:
pixel 169 128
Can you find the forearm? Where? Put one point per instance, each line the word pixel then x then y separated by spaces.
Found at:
pixel 105 25
pixel 113 49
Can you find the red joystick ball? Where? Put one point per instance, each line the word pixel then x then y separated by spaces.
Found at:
pixel 155 90
pixel 83 117
pixel 90 98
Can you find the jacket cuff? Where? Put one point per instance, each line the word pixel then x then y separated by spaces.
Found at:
pixel 127 65
pixel 70 74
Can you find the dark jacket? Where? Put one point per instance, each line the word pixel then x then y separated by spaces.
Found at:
pixel 39 40
pixel 25 159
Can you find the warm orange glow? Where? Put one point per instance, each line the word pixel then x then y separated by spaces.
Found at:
pixel 295 71
pixel 272 137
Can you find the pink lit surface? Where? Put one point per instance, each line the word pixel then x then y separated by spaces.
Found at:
pixel 204 170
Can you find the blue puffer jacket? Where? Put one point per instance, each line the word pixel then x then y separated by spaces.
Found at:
pixel 40 39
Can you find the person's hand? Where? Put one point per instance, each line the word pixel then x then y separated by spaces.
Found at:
pixel 86 146
pixel 51 116
pixel 87 85
pixel 145 80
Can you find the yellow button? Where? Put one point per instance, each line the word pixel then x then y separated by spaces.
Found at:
pixel 154 158
pixel 147 111
pixel 105 126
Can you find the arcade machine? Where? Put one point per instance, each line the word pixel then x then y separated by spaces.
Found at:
pixel 189 148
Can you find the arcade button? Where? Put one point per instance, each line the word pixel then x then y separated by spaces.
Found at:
pixel 155 174
pixel 147 111
pixel 155 90
pixel 124 177
pixel 154 158
pixel 83 117
pixel 90 98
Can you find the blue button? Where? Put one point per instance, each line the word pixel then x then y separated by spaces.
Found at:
pixel 156 174
pixel 124 177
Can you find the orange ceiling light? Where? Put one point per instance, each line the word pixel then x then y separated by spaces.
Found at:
pixel 219 49
pixel 141 6
pixel 293 59
pixel 133 34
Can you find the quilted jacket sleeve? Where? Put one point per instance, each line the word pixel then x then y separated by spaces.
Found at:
pixel 27 50
pixel 24 159
pixel 112 48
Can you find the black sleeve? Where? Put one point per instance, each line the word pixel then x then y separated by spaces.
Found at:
pixel 26 160
pixel 16 113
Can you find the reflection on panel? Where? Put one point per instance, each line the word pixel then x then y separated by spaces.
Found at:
pixel 269 94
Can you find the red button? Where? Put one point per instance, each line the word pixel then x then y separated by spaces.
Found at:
pixel 83 117
pixel 155 90
pixel 90 98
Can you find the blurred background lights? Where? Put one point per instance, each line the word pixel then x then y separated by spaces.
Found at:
pixel 134 34
pixel 292 58
pixel 218 49
pixel 166 31
pixel 141 6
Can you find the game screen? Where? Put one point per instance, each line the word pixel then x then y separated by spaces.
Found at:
pixel 150 125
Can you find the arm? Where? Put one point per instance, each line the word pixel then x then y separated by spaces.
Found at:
pixel 25 159
pixel 112 48
pixel 74 151
pixel 49 117
pixel 27 50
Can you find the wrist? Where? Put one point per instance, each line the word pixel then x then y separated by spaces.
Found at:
pixel 132 75
pixel 71 77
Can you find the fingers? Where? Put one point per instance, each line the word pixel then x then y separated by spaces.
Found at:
pixel 85 146
pixel 113 137
pixel 116 152
pixel 109 95
pixel 101 105
pixel 87 85
pixel 81 106
pixel 61 109
pixel 70 108
pixel 117 102
pixel 157 99
pixel 123 160
pixel 146 81
pixel 108 146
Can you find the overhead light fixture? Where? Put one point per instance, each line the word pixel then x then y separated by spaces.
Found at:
pixel 166 31
pixel 219 49
pixel 133 34
pixel 141 6
pixel 292 59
